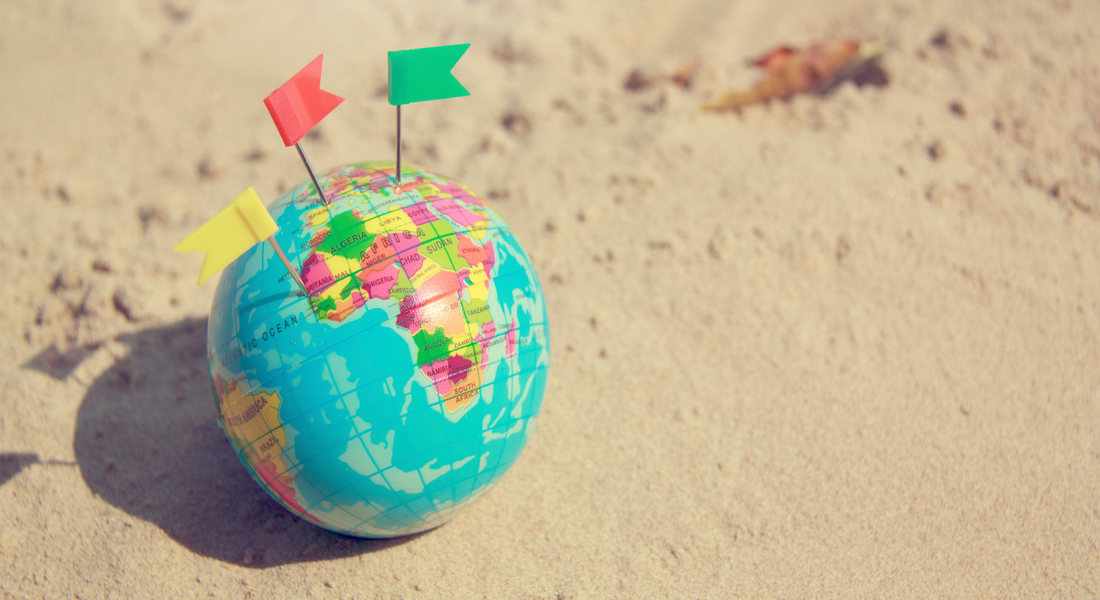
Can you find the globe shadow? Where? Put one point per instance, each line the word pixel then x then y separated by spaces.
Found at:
pixel 11 463
pixel 147 442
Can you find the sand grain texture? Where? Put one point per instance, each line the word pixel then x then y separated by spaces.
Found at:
pixel 842 346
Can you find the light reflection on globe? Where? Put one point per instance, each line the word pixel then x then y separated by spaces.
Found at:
pixel 409 380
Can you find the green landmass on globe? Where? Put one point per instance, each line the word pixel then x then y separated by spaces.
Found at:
pixel 407 381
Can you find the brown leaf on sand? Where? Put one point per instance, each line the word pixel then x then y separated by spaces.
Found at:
pixel 774 58
pixel 790 71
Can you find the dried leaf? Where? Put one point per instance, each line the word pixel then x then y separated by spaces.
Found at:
pixel 774 58
pixel 791 71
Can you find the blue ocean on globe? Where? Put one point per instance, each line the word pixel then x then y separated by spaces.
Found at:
pixel 407 381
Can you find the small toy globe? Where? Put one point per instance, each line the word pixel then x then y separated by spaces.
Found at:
pixel 409 379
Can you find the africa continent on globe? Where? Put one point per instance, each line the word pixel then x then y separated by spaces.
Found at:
pixel 409 379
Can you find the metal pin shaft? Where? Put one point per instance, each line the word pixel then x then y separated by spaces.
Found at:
pixel 316 184
pixel 289 267
pixel 399 144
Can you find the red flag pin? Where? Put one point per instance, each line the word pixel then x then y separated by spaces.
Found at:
pixel 298 106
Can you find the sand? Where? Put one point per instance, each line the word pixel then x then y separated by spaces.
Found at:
pixel 844 346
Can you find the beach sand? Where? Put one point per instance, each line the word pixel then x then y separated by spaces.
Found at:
pixel 838 347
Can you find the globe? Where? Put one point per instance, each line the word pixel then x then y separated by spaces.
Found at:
pixel 406 382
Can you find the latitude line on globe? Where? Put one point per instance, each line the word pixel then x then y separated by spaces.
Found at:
pixel 436 238
pixel 386 232
pixel 366 196
pixel 432 405
pixel 318 354
pixel 351 334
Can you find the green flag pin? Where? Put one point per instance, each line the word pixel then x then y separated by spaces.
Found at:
pixel 423 74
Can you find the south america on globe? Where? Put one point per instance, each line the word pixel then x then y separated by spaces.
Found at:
pixel 407 381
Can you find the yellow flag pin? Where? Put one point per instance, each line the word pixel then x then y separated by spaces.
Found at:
pixel 231 232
